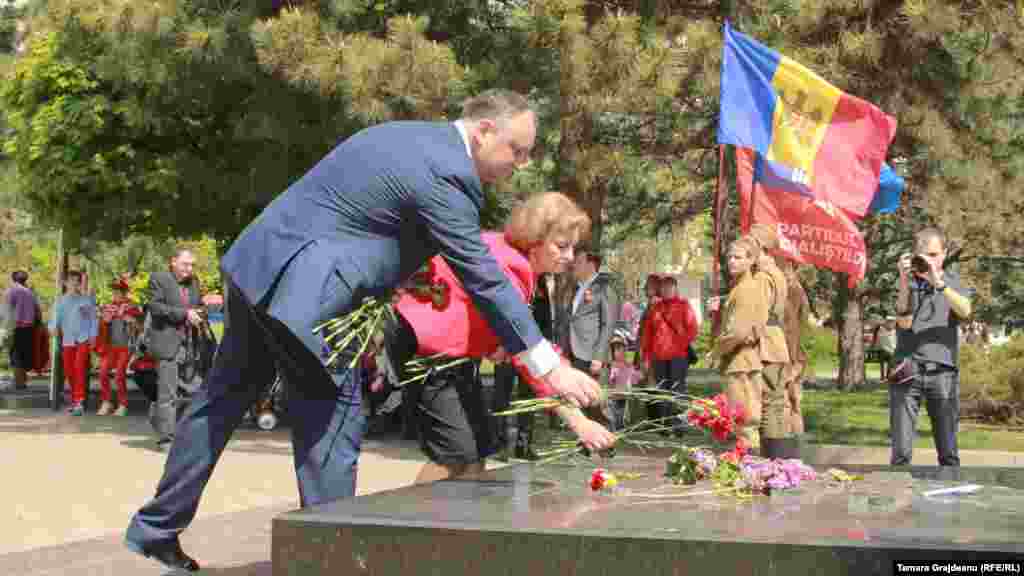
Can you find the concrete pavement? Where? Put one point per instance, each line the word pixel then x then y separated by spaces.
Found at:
pixel 71 485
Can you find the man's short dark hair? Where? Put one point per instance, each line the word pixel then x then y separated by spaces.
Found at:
pixel 496 103
pixel 925 236
pixel 670 280
pixel 19 276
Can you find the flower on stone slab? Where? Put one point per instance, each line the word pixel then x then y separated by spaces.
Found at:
pixel 602 479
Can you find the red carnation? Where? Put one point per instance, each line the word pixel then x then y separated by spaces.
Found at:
pixel 731 457
pixel 742 447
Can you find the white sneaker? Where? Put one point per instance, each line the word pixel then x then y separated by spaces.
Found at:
pixel 105 409
pixel 121 411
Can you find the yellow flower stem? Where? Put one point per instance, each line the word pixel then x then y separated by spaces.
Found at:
pixel 427 370
pixel 369 329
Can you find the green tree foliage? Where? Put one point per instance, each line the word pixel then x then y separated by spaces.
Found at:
pixel 181 118
pixel 401 76
pixel 992 381
pixel 9 15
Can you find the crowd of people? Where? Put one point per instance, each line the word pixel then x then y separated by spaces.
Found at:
pixel 160 343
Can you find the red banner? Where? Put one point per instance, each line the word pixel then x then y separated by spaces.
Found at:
pixel 810 231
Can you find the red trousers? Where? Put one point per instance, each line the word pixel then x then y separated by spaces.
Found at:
pixel 116 358
pixel 76 362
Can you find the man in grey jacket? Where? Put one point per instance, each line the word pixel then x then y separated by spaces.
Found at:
pixel 592 315
pixel 174 303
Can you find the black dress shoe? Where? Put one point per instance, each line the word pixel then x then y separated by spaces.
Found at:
pixel 168 553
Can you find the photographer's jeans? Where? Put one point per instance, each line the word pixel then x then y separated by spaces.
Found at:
pixel 940 390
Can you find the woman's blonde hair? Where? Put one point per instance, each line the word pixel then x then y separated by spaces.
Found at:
pixel 540 216
pixel 752 246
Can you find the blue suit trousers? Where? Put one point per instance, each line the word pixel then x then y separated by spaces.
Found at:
pixel 323 407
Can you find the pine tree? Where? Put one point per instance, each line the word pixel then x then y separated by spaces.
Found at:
pixel 180 118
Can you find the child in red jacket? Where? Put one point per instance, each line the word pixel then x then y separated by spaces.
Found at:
pixel 117 329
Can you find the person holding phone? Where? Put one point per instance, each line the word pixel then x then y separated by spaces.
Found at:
pixel 930 305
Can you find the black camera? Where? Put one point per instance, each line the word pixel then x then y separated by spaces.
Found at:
pixel 919 265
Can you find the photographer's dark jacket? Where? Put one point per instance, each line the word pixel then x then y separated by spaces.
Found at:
pixel 933 335
pixel 168 306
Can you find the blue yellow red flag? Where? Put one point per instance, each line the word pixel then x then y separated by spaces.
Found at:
pixel 827 142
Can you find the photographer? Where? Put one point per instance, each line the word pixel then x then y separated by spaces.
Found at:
pixel 930 306
pixel 175 309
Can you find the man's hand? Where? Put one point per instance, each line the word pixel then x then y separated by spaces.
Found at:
pixel 714 303
pixel 573 385
pixel 592 434
pixel 904 265
pixel 194 318
pixel 595 367
pixel 935 274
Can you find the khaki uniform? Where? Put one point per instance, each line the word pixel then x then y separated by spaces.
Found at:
pixel 773 350
pixel 744 318
pixel 797 309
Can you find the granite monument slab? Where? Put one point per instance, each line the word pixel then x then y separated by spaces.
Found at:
pixel 544 520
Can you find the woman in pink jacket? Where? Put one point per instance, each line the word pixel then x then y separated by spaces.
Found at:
pixel 539 237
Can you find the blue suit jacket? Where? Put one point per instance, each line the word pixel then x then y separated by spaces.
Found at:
pixel 373 211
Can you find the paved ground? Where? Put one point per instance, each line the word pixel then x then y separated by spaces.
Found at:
pixel 71 484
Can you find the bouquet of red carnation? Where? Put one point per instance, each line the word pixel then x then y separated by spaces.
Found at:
pixel 717 415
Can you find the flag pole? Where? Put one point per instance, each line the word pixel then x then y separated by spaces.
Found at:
pixel 753 192
pixel 718 218
pixel 56 365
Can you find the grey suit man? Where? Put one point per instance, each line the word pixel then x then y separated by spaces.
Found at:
pixel 592 314
pixel 173 302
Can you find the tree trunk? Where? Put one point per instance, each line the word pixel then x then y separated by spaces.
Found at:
pixel 574 119
pixel 571 125
pixel 851 339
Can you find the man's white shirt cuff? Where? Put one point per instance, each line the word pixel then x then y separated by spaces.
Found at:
pixel 540 359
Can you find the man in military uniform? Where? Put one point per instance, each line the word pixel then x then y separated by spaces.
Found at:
pixel 776 441
pixel 797 309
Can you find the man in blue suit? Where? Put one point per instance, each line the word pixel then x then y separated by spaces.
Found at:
pixel 358 223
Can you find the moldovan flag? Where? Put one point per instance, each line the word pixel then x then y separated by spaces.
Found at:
pixel 827 143
pixel 810 231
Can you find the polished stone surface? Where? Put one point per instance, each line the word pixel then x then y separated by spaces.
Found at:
pixel 545 520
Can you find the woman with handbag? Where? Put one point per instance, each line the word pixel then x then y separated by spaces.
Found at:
pixel 670 327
